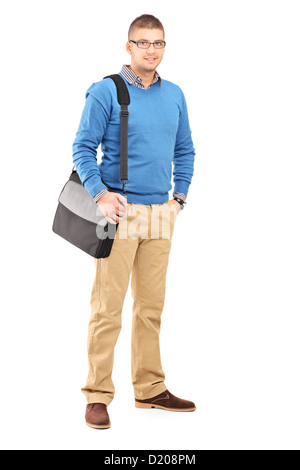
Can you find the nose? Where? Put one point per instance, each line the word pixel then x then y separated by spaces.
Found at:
pixel 151 48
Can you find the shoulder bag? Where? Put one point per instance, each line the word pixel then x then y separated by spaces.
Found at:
pixel 78 219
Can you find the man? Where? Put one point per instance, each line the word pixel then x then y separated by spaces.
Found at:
pixel 158 135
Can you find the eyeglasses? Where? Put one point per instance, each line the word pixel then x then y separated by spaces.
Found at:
pixel 147 44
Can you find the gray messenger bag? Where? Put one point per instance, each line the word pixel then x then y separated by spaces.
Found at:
pixel 78 219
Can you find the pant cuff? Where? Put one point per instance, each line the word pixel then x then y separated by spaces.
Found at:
pixel 98 398
pixel 150 392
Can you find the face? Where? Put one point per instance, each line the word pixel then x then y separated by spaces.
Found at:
pixel 145 60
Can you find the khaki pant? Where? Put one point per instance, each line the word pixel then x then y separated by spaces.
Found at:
pixel 141 249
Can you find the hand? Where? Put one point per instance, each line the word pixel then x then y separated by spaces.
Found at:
pixel 113 206
pixel 176 204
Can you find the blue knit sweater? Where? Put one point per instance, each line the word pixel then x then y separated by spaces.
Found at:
pixel 158 134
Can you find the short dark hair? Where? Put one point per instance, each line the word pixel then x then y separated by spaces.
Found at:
pixel 145 21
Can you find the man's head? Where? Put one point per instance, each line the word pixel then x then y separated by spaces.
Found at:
pixel 145 29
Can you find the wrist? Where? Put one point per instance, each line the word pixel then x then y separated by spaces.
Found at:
pixel 180 201
pixel 99 195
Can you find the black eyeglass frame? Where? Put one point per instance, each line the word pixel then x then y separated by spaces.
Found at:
pixel 150 43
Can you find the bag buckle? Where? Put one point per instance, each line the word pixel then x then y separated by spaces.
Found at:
pixel 124 113
pixel 124 182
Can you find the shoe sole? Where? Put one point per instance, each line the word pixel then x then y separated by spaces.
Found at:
pixel 149 406
pixel 95 426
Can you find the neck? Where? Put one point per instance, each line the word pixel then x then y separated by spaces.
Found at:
pixel 147 77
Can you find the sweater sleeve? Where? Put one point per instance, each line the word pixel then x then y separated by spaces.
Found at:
pixel 90 133
pixel 184 155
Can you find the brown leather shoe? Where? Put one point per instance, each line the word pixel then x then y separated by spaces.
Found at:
pixel 97 416
pixel 166 401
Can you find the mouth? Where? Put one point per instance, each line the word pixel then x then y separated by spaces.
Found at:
pixel 151 60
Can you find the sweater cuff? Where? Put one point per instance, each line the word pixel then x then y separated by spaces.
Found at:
pixel 94 185
pixel 181 186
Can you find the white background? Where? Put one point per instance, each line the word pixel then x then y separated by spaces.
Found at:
pixel 230 333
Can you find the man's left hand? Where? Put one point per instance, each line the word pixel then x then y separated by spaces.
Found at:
pixel 178 206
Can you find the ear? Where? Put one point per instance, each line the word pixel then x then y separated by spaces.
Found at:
pixel 129 48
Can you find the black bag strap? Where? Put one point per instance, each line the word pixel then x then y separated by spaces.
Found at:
pixel 124 101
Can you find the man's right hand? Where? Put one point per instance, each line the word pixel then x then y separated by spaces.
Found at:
pixel 113 206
